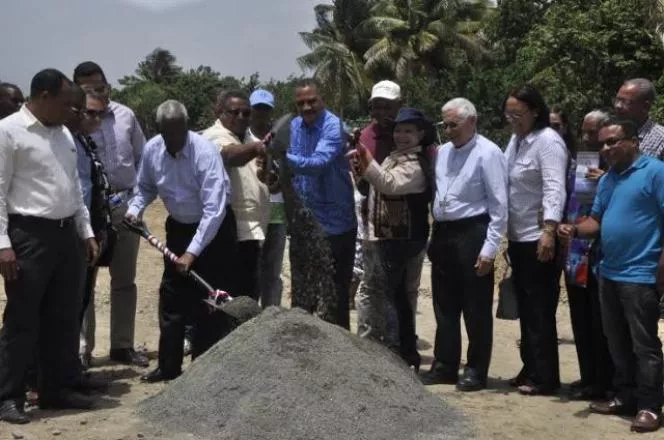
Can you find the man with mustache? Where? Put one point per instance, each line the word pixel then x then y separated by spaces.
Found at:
pixel 322 180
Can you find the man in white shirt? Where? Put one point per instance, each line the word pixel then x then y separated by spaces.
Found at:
pixel 250 198
pixel 42 221
pixel 470 212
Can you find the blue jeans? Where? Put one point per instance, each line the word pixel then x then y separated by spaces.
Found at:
pixel 271 259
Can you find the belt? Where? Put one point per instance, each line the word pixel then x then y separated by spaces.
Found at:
pixel 463 222
pixel 46 222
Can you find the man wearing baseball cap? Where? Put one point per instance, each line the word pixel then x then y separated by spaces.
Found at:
pixel 272 251
pixel 376 137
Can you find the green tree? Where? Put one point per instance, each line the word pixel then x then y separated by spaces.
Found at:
pixel 143 98
pixel 422 37
pixel 159 66
pixel 336 46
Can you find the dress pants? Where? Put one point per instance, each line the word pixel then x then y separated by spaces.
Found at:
pixel 180 299
pixel 343 254
pixel 123 290
pixel 457 290
pixel 43 306
pixel 271 262
pixel 630 313
pixel 592 350
pixel 247 262
pixel 537 291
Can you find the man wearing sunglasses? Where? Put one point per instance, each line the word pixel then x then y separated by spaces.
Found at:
pixel 120 141
pixel 628 215
pixel 250 199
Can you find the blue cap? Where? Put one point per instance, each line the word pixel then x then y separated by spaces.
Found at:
pixel 261 96
pixel 409 114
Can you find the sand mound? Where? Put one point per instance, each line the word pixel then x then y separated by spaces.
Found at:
pixel 290 376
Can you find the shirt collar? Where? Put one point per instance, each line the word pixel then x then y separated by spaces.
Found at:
pixel 468 145
pixel 220 126
pixel 639 163
pixel 29 118
pixel 186 150
pixel 318 123
pixel 416 149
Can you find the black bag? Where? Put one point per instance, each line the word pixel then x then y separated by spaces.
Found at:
pixel 508 307
pixel 100 209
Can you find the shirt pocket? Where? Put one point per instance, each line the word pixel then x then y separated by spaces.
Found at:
pixel 526 170
pixel 473 188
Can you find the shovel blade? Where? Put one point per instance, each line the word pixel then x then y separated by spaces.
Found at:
pixel 242 308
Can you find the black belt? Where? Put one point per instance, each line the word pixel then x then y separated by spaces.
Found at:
pixel 463 222
pixel 41 221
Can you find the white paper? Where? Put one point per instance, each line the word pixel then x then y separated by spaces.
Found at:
pixel 584 186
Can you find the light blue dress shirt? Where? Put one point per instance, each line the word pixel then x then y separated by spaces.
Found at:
pixel 84 166
pixel 193 186
pixel 471 180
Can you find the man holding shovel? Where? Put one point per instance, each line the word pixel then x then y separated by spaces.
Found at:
pixel 187 173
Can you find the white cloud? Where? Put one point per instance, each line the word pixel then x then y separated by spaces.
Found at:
pixel 160 5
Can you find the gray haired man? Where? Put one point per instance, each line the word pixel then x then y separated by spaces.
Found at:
pixel 187 173
pixel 470 212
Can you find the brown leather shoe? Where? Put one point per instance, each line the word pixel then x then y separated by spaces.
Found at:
pixel 646 421
pixel 612 407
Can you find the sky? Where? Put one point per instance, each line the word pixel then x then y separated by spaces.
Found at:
pixel 234 37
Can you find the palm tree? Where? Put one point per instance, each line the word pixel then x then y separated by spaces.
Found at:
pixel 158 67
pixel 415 37
pixel 336 46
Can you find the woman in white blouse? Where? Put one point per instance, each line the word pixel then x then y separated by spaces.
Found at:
pixel 536 161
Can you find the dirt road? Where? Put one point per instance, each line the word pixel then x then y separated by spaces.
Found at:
pixel 498 412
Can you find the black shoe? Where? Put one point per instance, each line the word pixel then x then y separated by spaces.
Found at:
pixel 129 356
pixel 13 412
pixel 65 400
pixel 86 384
pixel 413 360
pixel 470 382
pixel 86 361
pixel 439 375
pixel 157 376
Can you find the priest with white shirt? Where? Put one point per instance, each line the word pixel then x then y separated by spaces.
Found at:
pixel 43 219
pixel 470 213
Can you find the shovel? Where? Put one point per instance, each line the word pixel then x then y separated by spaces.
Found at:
pixel 241 308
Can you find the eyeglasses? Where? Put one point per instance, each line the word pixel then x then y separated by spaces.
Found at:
pixel 610 142
pixel 311 102
pixel 101 88
pixel 237 112
pixel 75 110
pixel 514 116
pixel 96 114
pixel 623 101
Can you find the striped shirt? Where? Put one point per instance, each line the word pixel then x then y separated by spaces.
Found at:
pixel 651 139
pixel 536 167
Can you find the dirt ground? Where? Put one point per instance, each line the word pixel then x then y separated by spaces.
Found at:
pixel 498 412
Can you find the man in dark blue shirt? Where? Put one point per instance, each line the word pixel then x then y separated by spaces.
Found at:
pixel 629 212
pixel 322 180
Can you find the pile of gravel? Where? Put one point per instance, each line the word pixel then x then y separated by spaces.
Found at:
pixel 290 375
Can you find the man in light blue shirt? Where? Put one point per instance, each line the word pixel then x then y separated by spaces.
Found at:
pixel 187 173
pixel 470 212
pixel 629 212
pixel 322 180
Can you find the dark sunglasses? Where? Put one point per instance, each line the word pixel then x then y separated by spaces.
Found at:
pixel 613 141
pixel 236 112
pixel 94 113
pixel 101 88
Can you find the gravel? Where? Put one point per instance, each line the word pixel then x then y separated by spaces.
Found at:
pixel 289 375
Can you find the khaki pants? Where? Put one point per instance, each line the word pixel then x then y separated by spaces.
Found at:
pixel 123 291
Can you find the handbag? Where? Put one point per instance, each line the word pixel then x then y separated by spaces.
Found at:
pixel 508 307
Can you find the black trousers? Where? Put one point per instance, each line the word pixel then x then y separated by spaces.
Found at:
pixel 43 306
pixel 180 299
pixel 592 349
pixel 537 291
pixel 343 254
pixel 458 290
pixel 88 288
pixel 247 262
pixel 631 313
